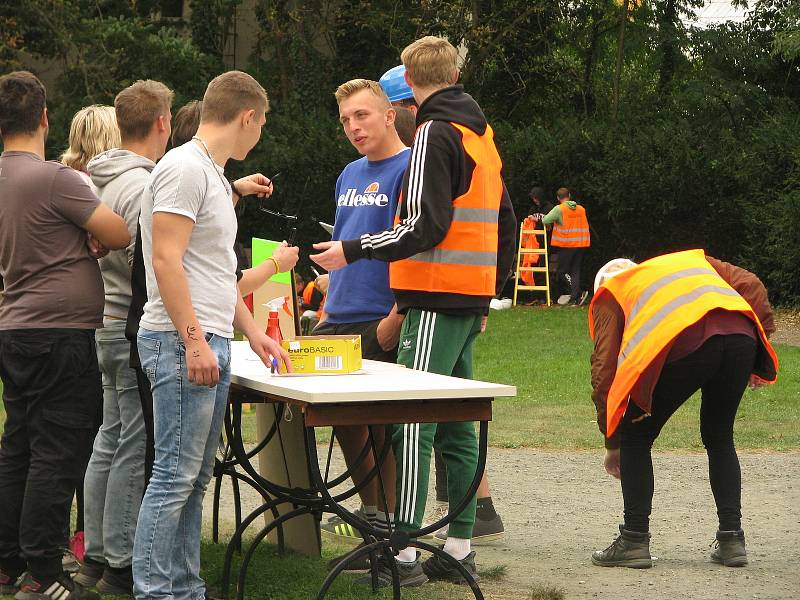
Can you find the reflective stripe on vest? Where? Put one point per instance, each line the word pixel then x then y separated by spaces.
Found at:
pixel 573 232
pixel 465 261
pixel 661 298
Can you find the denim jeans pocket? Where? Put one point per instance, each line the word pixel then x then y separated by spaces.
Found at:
pixel 149 351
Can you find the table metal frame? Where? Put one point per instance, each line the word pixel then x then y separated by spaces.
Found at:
pixel 318 498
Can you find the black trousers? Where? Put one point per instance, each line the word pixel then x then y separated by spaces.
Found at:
pixel 569 263
pixel 720 368
pixel 146 397
pixel 52 392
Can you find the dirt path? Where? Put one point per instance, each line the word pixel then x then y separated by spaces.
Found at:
pixel 558 506
pixel 787 327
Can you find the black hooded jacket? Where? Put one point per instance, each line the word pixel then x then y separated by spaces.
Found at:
pixel 439 171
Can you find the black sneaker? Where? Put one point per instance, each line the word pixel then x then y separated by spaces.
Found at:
pixel 90 573
pixel 438 569
pixel 484 531
pixel 118 582
pixel 9 585
pixel 411 574
pixel 360 565
pixel 63 588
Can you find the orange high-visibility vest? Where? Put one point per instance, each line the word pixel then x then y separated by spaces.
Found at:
pixel 529 242
pixel 465 261
pixel 574 229
pixel 308 293
pixel 660 298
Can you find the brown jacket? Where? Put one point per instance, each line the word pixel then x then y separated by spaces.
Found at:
pixel 609 322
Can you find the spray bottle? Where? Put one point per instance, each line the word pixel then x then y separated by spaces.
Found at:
pixel 274 324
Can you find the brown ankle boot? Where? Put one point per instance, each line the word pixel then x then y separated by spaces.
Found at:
pixel 631 549
pixel 730 550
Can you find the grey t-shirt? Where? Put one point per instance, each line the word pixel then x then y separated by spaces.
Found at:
pixel 50 280
pixel 186 182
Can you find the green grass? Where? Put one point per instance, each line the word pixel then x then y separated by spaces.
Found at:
pixel 297 577
pixel 545 353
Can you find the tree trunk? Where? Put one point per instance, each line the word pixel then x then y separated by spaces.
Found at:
pixel 588 69
pixel 620 58
pixel 668 33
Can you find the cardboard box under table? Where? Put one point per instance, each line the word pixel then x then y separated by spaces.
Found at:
pixel 381 394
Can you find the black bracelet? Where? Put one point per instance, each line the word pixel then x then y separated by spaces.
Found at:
pixel 235 191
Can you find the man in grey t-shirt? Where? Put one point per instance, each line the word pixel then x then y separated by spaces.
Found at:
pixel 49 310
pixel 188 229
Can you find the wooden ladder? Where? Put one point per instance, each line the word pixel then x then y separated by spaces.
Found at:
pixel 542 251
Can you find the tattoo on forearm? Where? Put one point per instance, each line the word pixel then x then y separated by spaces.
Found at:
pixel 191 331
pixel 196 354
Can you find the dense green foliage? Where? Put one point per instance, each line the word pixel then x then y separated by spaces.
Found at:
pixel 673 136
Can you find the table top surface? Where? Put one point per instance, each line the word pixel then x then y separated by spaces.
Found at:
pixel 377 382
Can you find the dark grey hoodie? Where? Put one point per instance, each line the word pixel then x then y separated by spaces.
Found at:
pixel 120 177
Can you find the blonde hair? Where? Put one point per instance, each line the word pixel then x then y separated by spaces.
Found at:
pixel 353 86
pixel 431 62
pixel 229 94
pixel 93 131
pixel 139 105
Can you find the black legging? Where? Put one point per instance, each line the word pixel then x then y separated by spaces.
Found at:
pixel 721 368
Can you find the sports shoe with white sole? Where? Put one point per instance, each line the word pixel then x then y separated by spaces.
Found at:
pixel 438 569
pixel 9 585
pixel 89 574
pixel 484 531
pixel 63 588
pixel 411 574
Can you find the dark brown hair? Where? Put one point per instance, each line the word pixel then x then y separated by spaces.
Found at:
pixel 562 193
pixel 22 101
pixel 187 119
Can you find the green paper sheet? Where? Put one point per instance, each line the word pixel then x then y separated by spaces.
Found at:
pixel 262 250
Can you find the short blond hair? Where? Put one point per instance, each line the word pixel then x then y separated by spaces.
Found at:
pixel 431 62
pixel 229 94
pixel 93 131
pixel 139 105
pixel 348 88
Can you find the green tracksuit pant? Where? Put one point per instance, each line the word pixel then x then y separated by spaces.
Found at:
pixel 437 343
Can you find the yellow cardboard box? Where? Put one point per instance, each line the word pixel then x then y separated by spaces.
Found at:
pixel 324 354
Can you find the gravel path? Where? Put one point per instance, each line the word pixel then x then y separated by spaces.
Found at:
pixel 558 506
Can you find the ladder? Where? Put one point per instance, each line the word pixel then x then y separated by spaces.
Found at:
pixel 525 230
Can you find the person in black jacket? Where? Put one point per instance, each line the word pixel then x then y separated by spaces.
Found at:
pixel 451 250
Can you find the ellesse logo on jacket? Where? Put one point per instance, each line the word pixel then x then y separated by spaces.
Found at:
pixel 370 197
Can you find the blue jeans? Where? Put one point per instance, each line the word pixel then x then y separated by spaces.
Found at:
pixel 114 479
pixel 188 421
